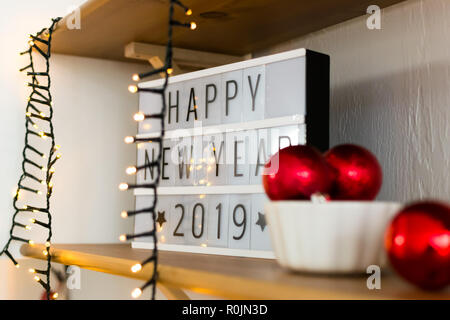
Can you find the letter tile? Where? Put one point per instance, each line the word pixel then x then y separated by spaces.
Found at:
pixel 254 81
pixel 239 221
pixel 260 237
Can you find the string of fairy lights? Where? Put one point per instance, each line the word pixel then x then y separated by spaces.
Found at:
pixel 35 187
pixel 166 70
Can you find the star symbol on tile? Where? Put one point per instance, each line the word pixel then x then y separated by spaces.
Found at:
pixel 261 221
pixel 161 218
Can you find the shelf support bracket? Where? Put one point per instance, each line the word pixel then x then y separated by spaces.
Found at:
pixel 183 59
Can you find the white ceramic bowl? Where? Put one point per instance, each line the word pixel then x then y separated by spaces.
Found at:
pixel 332 237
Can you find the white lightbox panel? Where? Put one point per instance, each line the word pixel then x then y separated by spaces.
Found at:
pixel 225 123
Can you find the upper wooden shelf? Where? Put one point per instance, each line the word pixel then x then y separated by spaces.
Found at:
pixel 234 27
pixel 228 277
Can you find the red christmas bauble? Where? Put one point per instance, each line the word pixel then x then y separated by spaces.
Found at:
pixel 295 173
pixel 418 244
pixel 357 173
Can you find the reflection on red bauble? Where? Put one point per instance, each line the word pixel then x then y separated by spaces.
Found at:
pixel 418 244
pixel 296 172
pixel 358 174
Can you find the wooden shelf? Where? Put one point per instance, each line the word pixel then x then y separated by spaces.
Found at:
pixel 228 277
pixel 107 26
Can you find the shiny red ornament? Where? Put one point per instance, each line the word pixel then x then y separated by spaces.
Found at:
pixel 357 173
pixel 418 244
pixel 295 173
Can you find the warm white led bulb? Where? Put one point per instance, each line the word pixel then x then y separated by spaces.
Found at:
pixel 32 270
pixel 136 268
pixel 170 71
pixel 132 88
pixel 131 170
pixel 123 186
pixel 193 26
pixel 188 12
pixel 136 293
pixel 136 77
pixel 123 238
pixel 129 140
pixel 124 214
pixel 31 242
pixel 139 117
pixel 37 279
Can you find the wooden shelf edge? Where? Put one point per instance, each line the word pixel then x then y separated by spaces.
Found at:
pixel 86 9
pixel 108 26
pixel 105 264
pixel 201 282
pixel 217 281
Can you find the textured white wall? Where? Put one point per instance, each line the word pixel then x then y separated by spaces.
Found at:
pixel 390 92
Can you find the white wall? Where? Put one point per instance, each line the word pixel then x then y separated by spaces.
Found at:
pixel 390 93
pixel 93 112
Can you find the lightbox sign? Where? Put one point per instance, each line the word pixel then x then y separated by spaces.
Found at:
pixel 221 127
